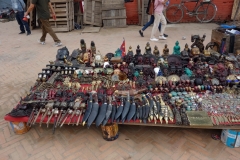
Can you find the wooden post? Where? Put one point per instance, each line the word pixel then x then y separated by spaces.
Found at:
pixel 143 14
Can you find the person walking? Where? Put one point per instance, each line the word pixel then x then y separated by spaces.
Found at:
pixel 150 22
pixel 43 12
pixel 19 6
pixel 159 17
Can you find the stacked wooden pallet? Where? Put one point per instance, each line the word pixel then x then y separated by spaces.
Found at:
pixel 64 14
pixel 113 13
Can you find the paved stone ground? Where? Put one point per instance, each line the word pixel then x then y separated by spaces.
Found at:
pixel 21 58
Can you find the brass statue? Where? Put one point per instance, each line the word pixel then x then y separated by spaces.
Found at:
pixel 165 52
pixel 156 51
pixel 187 49
pixel 130 51
pixel 148 48
pixel 195 52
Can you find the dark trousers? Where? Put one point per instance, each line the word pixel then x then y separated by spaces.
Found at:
pixel 22 23
pixel 151 22
pixel 46 28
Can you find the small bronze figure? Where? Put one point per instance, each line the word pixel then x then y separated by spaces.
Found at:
pixel 186 48
pixel 148 48
pixel 165 52
pixel 156 51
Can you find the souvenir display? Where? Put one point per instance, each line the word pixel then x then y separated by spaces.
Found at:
pixel 194 87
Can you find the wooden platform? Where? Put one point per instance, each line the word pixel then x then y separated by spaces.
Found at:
pixel 136 123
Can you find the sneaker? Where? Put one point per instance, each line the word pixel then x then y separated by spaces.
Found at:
pixel 165 35
pixel 141 33
pixel 162 37
pixel 154 39
pixel 22 33
pixel 41 42
pixel 57 44
pixel 28 33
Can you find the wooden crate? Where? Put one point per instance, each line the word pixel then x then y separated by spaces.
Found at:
pixel 218 36
pixel 112 4
pixel 114 17
pixel 93 12
pixel 64 10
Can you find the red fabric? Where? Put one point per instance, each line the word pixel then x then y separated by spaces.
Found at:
pixel 123 48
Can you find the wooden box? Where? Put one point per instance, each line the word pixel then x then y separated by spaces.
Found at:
pixel 64 15
pixel 93 12
pixel 114 17
pixel 219 35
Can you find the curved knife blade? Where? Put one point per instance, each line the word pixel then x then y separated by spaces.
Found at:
pixel 94 112
pixel 88 111
pixel 102 112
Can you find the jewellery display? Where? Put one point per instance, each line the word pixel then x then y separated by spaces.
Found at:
pixel 189 88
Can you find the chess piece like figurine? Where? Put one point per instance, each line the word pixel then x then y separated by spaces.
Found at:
pixel 148 48
pixel 130 51
pixel 93 48
pixel 176 49
pixel 156 51
pixel 187 49
pixel 165 52
pixel 138 50
pixel 83 46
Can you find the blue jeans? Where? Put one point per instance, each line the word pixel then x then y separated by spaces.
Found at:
pixel 21 22
pixel 149 24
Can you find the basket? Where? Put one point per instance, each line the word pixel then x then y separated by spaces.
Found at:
pixel 110 132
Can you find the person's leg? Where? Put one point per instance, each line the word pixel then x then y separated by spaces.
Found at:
pixel 148 23
pixel 159 27
pixel 155 25
pixel 48 29
pixel 21 15
pixel 19 20
pixel 44 32
pixel 163 24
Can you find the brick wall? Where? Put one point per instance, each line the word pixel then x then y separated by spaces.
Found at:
pixel 223 13
pixel 132 12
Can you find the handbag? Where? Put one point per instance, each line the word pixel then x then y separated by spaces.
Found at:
pixel 151 7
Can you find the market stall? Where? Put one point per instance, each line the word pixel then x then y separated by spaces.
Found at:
pixel 195 87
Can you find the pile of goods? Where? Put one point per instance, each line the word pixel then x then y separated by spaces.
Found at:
pixel 196 86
